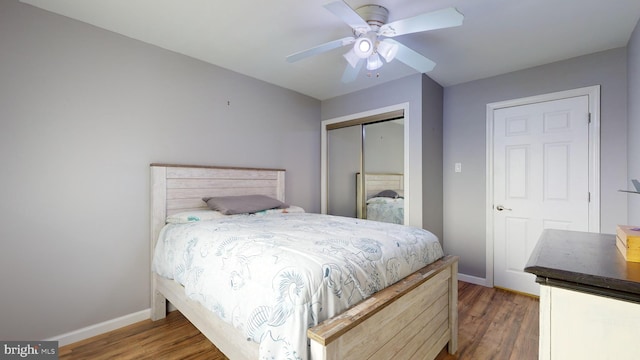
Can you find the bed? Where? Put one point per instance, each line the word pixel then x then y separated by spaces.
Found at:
pixel 382 198
pixel 416 315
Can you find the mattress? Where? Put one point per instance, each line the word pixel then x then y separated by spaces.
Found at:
pixel 272 277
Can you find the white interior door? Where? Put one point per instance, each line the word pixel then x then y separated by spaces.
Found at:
pixel 540 181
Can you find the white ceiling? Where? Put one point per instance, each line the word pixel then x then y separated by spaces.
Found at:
pixel 253 37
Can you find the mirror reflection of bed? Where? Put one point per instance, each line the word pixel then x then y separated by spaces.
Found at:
pixel 380 197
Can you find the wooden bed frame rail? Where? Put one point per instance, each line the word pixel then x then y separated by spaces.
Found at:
pixel 416 317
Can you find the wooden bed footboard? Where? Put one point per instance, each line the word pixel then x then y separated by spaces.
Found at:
pixel 415 318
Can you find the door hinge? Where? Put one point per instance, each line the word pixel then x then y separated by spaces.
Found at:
pixel 589 118
pixel 589 196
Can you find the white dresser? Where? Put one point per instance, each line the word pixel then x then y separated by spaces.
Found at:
pixel 589 297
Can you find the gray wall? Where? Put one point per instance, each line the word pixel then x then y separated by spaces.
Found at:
pixel 425 103
pixel 432 142
pixel 82 114
pixel 465 138
pixel 633 160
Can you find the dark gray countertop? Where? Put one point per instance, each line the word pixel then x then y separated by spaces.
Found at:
pixel 587 262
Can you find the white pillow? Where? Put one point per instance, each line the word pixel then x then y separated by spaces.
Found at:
pixel 192 216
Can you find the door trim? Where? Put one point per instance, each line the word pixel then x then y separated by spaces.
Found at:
pixel 593 92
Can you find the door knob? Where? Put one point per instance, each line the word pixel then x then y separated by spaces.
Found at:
pixel 500 208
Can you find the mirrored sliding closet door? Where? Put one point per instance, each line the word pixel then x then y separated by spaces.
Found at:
pixel 365 168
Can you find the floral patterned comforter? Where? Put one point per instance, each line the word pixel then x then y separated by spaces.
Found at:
pixel 386 209
pixel 275 276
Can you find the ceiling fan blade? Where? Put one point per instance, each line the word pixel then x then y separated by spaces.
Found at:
pixel 350 73
pixel 345 13
pixel 439 19
pixel 413 59
pixel 320 49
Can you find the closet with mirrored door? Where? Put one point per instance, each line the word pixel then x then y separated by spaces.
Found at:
pixel 365 168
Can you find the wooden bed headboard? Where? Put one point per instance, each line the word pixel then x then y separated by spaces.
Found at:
pixel 177 188
pixel 379 182
pixel 374 183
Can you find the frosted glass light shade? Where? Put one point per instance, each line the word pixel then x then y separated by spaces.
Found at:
pixel 387 50
pixel 363 47
pixel 374 62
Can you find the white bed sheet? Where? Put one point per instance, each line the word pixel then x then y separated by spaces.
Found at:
pixel 275 276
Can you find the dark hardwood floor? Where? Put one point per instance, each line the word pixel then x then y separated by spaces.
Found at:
pixel 493 324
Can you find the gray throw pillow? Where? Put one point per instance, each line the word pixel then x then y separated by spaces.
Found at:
pixel 387 193
pixel 243 204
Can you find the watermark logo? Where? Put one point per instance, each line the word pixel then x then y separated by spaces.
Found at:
pixel 32 350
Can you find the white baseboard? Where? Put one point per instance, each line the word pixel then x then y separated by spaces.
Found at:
pixel 474 280
pixel 101 328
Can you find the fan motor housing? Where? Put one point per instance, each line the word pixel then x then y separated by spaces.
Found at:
pixel 374 15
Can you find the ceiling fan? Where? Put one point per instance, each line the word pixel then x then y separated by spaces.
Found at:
pixel 372 35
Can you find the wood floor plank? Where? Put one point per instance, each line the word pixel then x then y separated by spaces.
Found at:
pixel 475 316
pixel 493 324
pixel 171 338
pixel 527 338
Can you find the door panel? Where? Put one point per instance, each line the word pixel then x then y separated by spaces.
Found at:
pixel 541 180
pixel 516 228
pixel 343 154
pixel 556 171
pixel 516 171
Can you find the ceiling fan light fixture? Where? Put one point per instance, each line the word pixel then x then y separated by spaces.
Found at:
pixel 363 47
pixel 374 62
pixel 388 50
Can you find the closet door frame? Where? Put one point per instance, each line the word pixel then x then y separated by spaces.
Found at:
pixel 412 160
